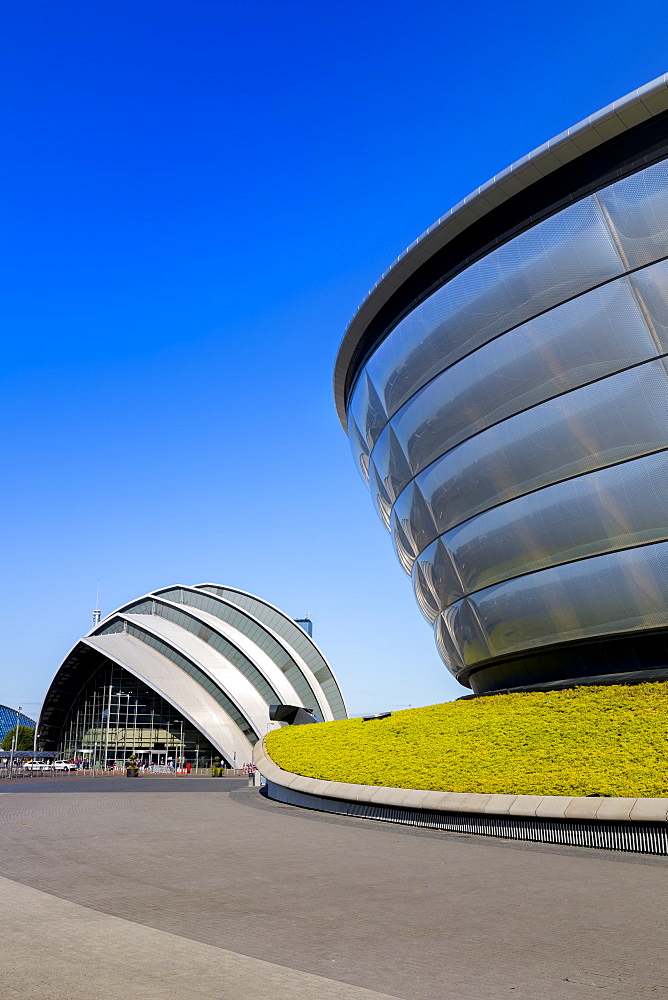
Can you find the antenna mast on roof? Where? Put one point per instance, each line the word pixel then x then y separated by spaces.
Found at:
pixel 97 613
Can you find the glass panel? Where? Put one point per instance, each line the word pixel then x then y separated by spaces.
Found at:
pixel 583 340
pixel 115 716
pixel 613 508
pixel 610 421
pixel 637 210
pixel 614 593
pixel 555 260
pixel 651 286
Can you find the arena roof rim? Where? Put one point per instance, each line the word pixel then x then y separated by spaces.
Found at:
pixel 625 115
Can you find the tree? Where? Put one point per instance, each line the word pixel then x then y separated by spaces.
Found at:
pixel 26 740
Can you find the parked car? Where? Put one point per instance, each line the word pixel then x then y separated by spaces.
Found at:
pixel 38 765
pixel 64 765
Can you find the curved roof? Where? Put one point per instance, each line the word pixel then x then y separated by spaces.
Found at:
pixel 625 116
pixel 218 655
pixel 8 720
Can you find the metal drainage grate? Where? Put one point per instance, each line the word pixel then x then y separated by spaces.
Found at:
pixel 642 838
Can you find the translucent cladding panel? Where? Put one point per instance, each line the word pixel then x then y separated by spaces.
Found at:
pixel 610 594
pixel 402 545
pixel 618 418
pixel 401 526
pixel 613 508
pixel 434 571
pixel 424 595
pixel 560 257
pixel 390 464
pixel 359 450
pixel 446 647
pixel 367 410
pixel 381 500
pixel 651 287
pixel 412 516
pixel 461 621
pixel 437 568
pixel 587 338
pixel 637 210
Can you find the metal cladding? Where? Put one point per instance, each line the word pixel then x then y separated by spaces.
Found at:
pixel 292 714
pixel 505 391
pixel 219 656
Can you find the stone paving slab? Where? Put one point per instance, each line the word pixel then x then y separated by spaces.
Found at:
pixel 59 950
pixel 417 915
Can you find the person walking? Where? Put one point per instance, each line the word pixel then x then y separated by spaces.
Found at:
pixel 188 766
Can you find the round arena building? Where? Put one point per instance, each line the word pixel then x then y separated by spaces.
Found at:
pixel 504 387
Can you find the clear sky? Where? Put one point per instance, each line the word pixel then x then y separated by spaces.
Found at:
pixel 197 194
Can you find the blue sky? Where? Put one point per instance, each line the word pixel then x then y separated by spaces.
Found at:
pixel 196 196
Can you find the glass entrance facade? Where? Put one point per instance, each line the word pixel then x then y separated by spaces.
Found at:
pixel 115 716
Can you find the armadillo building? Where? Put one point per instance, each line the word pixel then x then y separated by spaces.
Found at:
pixel 186 673
pixel 505 390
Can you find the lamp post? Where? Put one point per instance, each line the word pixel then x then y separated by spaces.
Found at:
pixel 122 694
pixel 106 746
pixel 176 761
pixel 15 743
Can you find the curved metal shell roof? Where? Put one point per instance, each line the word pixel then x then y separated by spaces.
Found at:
pixel 624 115
pixel 218 655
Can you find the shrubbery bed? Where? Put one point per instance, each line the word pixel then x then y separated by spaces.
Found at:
pixel 584 741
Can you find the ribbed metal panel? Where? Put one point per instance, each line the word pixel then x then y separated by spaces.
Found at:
pixel 640 838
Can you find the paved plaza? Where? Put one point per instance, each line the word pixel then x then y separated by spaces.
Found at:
pixel 198 888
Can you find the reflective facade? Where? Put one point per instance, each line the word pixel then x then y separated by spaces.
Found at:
pixel 187 674
pixel 8 719
pixel 511 420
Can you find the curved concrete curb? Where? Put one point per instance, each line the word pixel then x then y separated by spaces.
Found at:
pixel 543 806
pixel 627 824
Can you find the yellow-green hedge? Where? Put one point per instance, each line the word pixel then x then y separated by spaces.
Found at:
pixel 588 740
